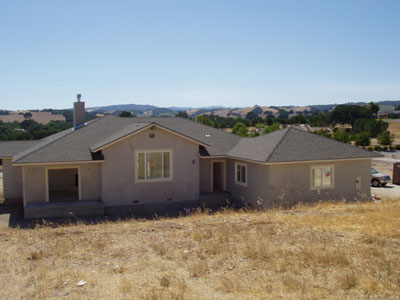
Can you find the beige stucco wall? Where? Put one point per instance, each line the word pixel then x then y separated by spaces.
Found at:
pixel 256 189
pixel 35 181
pixel 12 180
pixel 118 172
pixel 273 185
pixel 290 183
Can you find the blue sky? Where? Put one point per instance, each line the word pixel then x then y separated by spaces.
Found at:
pixel 198 53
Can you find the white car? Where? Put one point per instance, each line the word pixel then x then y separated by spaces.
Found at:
pixel 379 179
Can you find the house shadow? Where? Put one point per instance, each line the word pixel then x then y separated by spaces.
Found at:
pixel 12 216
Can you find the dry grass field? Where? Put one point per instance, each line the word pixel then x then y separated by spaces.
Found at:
pixel 40 117
pixel 324 251
pixel 394 127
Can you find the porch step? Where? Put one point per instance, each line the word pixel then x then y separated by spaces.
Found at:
pixel 63 209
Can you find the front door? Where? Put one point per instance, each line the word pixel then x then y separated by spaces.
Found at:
pixel 218 176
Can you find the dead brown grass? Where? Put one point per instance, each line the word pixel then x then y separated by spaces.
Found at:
pixel 325 251
pixel 394 127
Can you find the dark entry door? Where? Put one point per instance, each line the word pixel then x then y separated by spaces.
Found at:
pixel 218 176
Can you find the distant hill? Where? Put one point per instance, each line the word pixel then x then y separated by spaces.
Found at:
pixel 151 110
pixel 262 111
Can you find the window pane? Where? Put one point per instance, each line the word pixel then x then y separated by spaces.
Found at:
pixel 166 164
pixel 153 165
pixel 243 179
pixel 238 173
pixel 327 177
pixel 316 177
pixel 140 168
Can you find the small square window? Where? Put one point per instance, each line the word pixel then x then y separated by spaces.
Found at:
pixel 241 173
pixel 322 177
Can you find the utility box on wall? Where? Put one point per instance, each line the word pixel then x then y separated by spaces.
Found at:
pixel 396 173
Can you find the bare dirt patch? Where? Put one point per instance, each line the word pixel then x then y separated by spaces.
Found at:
pixel 325 251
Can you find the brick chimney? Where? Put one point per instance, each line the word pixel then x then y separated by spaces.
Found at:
pixel 79 112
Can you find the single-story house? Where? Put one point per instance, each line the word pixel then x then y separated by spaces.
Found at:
pixel 115 165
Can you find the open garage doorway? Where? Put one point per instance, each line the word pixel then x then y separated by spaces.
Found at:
pixel 63 184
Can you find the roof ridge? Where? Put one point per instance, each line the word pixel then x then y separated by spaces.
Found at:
pixel 53 141
pixel 280 142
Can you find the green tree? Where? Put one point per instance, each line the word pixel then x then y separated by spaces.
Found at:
pixel 363 139
pixel 372 126
pixel 374 108
pixel 298 119
pixel 273 127
pixel 240 129
pixel 324 133
pixel 126 114
pixel 182 114
pixel 348 114
pixel 385 138
pixel 205 120
pixel 341 136
pixel 319 120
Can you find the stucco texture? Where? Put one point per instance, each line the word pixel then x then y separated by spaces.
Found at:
pixel 12 182
pixel 35 181
pixel 119 186
pixel 289 184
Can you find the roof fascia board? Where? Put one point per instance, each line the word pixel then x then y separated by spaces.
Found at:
pixel 285 162
pixel 143 129
pixel 58 163
pixel 317 161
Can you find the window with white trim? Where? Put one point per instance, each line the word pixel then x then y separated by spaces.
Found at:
pixel 153 165
pixel 241 173
pixel 322 177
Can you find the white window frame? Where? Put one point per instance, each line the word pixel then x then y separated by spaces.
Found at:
pixel 322 187
pixel 236 179
pixel 171 161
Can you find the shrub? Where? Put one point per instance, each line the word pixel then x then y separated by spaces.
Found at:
pixel 370 148
pixel 377 148
pixel 363 139
pixel 392 148
pixel 126 114
pixel 323 132
pixel 240 129
pixel 397 147
pixel 273 127
pixel 384 148
pixel 385 138
pixel 341 136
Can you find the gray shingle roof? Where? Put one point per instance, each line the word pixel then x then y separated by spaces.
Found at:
pixel 257 148
pixel 11 148
pixel 297 145
pixel 290 145
pixel 280 146
pixel 74 145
